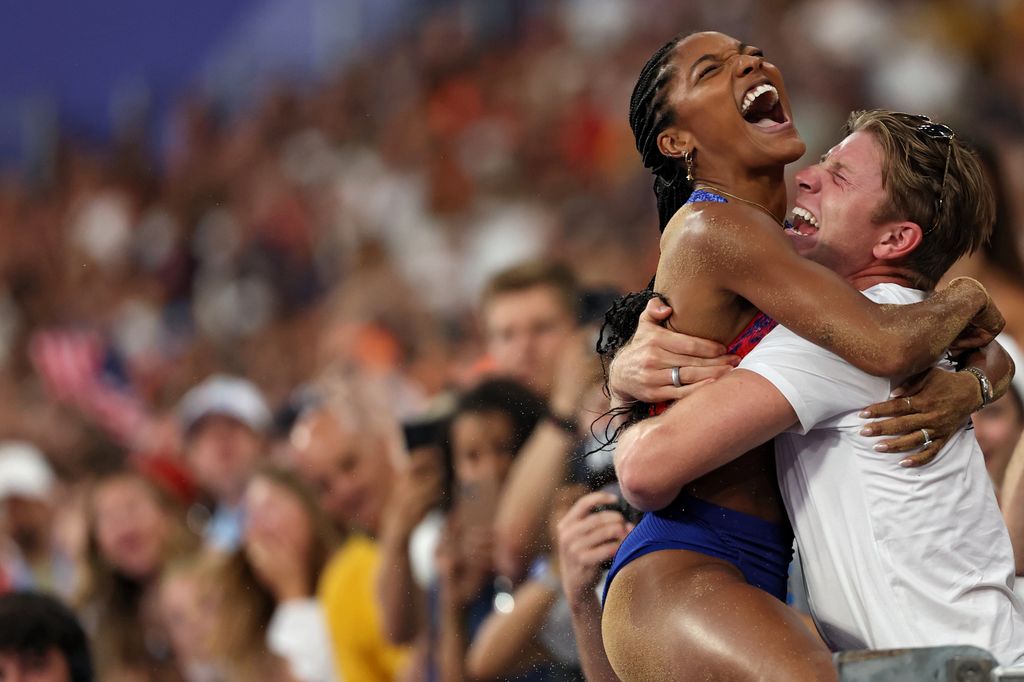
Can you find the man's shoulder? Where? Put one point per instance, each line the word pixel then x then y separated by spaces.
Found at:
pixel 783 339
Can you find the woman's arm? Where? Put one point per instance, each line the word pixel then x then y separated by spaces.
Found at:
pixel 755 260
pixel 939 401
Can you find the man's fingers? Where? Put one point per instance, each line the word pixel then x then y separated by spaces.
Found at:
pixel 655 311
pixel 665 359
pixel 672 393
pixel 926 455
pixel 692 375
pixel 683 344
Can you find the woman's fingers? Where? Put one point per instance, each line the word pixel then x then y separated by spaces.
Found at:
pixel 911 441
pixel 926 455
pixel 898 426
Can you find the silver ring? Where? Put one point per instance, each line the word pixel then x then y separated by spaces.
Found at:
pixel 909 406
pixel 675 378
pixel 927 438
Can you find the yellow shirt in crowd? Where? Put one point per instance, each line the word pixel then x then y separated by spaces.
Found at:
pixel 348 593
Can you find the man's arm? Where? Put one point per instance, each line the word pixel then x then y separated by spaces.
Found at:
pixel 657 457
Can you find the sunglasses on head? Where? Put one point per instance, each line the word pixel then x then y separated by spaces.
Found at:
pixel 935 131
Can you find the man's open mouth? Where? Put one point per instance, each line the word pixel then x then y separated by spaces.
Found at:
pixel 762 106
pixel 803 223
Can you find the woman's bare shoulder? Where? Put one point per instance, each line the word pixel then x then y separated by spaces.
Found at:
pixel 712 227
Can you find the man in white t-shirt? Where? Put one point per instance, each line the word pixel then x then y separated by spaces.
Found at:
pixel 893 556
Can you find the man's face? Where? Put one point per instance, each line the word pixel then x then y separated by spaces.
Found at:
pixel 46 666
pixel 842 192
pixel 222 453
pixel 526 331
pixel 350 472
pixel 28 521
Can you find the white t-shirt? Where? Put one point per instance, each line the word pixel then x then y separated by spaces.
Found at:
pixel 893 557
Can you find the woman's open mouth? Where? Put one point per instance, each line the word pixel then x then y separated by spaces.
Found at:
pixel 762 107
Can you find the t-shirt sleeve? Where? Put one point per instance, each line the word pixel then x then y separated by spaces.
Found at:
pixel 818 384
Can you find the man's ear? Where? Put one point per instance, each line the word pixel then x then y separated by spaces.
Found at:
pixel 674 143
pixel 898 240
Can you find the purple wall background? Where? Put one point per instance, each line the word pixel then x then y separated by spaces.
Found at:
pixel 85 63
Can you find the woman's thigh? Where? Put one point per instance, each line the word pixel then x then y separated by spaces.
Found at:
pixel 680 615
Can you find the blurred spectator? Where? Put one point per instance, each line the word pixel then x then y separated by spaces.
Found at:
pixel 410 531
pixel 187 607
pixel 538 624
pixel 134 531
pixel 575 404
pixel 529 313
pixel 489 428
pixel 269 624
pixel 41 641
pixel 587 540
pixel 348 447
pixel 30 557
pixel 999 264
pixel 998 428
pixel 225 420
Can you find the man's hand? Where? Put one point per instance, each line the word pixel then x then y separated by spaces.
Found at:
pixel 642 370
pixel 587 540
pixel 938 401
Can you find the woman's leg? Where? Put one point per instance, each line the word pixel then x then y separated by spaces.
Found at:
pixel 680 615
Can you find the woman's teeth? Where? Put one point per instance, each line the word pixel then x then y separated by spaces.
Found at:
pixel 756 92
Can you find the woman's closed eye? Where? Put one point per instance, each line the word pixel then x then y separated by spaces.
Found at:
pixel 707 71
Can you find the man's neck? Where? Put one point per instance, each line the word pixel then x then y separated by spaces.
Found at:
pixel 874 275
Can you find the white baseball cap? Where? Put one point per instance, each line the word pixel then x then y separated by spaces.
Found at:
pixel 24 471
pixel 228 396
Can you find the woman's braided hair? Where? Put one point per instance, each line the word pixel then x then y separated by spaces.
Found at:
pixel 649 115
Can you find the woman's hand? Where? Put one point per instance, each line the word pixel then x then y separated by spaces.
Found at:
pixel 642 370
pixel 935 401
pixel 985 326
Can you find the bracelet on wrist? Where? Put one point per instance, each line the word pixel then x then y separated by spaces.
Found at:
pixel 985 384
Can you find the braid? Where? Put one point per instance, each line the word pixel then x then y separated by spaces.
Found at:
pixel 620 323
pixel 648 116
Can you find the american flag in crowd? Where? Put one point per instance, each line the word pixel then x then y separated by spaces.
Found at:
pixel 78 368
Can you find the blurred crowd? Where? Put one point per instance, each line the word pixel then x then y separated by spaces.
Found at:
pixel 315 397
